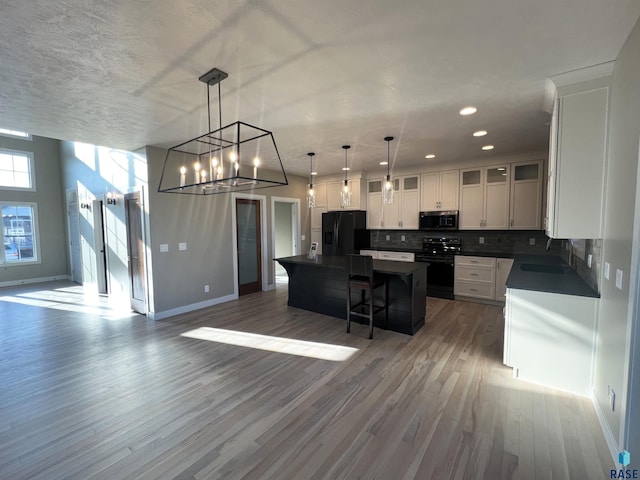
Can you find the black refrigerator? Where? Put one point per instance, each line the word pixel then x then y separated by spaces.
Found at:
pixel 344 232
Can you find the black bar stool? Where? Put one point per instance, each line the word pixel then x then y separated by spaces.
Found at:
pixel 360 276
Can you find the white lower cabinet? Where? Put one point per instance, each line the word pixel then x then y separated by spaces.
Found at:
pixel 481 277
pixel 549 338
pixel 503 268
pixel 396 256
pixel 474 277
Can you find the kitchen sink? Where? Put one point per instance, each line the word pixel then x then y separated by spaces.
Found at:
pixel 544 268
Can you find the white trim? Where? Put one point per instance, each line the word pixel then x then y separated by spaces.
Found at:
pixel 584 74
pixel 16 134
pixel 35 232
pixel 13 283
pixel 190 308
pixel 608 434
pixel 234 236
pixel 296 227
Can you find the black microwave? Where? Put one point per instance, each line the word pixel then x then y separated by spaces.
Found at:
pixel 439 220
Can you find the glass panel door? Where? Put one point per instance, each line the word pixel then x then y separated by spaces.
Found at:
pixel 249 247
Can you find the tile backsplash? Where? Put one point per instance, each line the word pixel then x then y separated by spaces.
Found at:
pixel 494 241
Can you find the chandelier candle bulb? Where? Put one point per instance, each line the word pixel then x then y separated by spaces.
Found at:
pixel 196 168
pixel 256 164
pixel 183 174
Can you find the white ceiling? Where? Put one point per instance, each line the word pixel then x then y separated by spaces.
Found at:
pixel 319 74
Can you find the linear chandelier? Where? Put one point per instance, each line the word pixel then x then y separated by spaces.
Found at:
pixel 233 158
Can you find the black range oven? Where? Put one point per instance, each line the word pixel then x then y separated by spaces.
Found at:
pixel 440 254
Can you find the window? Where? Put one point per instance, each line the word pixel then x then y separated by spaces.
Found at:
pixel 19 232
pixel 16 171
pixel 15 133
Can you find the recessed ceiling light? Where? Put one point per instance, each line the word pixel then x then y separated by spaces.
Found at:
pixel 431 155
pixel 488 147
pixel 501 169
pixel 345 168
pixel 468 111
pixel 384 163
pixel 314 173
pixel 480 133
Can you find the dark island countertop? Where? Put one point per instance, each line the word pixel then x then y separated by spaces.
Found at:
pixel 320 285
pixel 340 262
pixel 566 283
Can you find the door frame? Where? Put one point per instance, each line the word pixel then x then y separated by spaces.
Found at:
pixel 263 239
pixel 295 224
pixel 100 245
pixel 143 252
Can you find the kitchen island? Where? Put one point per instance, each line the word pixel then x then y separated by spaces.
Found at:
pixel 320 286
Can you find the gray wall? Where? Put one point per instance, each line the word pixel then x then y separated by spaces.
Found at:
pixel 205 224
pixel 617 245
pixel 51 211
pixel 93 171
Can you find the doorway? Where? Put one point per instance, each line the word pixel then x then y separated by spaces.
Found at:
pixel 100 246
pixel 249 245
pixel 286 231
pixel 135 252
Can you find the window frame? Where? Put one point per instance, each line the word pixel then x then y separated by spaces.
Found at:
pixel 32 174
pixel 7 132
pixel 35 227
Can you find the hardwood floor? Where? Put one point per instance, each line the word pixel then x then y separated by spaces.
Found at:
pixel 94 393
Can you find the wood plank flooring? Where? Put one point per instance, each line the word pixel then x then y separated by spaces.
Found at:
pixel 87 392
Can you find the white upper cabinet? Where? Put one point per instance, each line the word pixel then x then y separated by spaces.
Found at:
pixel 333 195
pixel 526 196
pixel 577 160
pixel 404 212
pixel 440 190
pixel 484 198
pixel 374 204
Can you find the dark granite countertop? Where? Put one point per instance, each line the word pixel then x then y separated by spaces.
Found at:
pixel 567 283
pixel 337 261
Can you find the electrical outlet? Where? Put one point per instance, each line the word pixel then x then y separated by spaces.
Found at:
pixel 206 289
pixel 481 239
pixel 302 237
pixel 532 241
pixel 607 270
pixel 182 246
pixel 589 260
pixel 619 274
pixel 402 238
pixel 388 237
pixel 164 247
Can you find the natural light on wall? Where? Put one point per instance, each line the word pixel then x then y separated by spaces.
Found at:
pixel 290 346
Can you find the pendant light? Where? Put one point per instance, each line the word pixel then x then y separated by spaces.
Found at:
pixel 311 198
pixel 345 193
pixel 387 192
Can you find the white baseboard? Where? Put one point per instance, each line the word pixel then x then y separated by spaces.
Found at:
pixel 270 286
pixel 608 434
pixel 27 281
pixel 190 308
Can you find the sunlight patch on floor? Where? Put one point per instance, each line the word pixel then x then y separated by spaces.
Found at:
pixel 290 346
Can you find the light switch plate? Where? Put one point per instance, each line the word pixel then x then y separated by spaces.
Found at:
pixel 619 274
pixel 589 260
pixel 164 247
pixel 182 246
pixel 607 270
pixel 302 237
